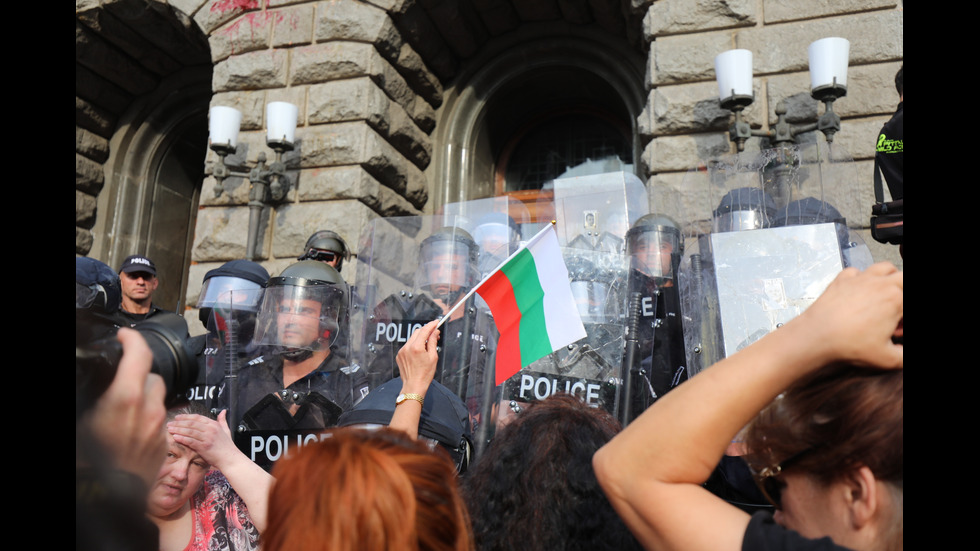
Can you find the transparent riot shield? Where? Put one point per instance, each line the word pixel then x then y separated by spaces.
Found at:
pixel 656 356
pixel 591 368
pixel 766 244
pixel 497 224
pixel 413 270
pixel 594 212
pixel 230 325
pixel 289 384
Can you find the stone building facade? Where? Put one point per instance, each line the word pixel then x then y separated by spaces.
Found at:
pixel 406 105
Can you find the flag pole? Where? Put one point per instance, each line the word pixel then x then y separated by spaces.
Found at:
pixel 484 280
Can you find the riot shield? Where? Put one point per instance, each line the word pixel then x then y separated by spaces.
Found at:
pixel 594 212
pixel 230 327
pixel 591 368
pixel 410 271
pixel 289 384
pixel 766 246
pixel 656 354
pixel 760 250
pixel 497 224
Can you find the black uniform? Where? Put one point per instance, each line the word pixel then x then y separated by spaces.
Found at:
pixel 460 342
pixel 321 395
pixel 127 319
pixel 661 337
pixel 890 153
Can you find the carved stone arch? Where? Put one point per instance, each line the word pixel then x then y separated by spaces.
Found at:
pixel 155 168
pixel 142 88
pixel 470 132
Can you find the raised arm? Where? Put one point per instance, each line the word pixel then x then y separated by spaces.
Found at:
pixel 417 365
pixel 212 440
pixel 653 470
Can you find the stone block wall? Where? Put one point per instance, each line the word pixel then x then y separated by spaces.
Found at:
pixel 366 109
pixel 683 124
pixel 368 77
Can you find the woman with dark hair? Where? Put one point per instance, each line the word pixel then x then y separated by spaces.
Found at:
pixel 535 487
pixel 828 451
pixel 842 425
pixel 366 490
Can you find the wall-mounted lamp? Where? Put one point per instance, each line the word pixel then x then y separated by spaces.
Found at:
pixel 828 81
pixel 270 184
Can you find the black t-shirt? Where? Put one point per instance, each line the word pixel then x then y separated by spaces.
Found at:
pixel 763 534
pixel 128 319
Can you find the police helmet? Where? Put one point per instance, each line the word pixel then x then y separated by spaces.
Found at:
pixel 655 246
pixel 497 235
pixel 325 246
pixel 810 210
pixel 496 228
pixel 305 294
pixel 746 208
pixel 97 286
pixel 236 285
pixel 435 275
pixel 444 420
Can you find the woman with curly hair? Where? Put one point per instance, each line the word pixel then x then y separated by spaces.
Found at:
pixel 535 487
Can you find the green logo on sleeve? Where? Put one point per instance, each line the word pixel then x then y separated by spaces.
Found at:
pixel 888 146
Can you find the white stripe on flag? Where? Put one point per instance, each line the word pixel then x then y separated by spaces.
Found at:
pixel 564 325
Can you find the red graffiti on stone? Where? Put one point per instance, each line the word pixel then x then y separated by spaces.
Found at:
pixel 253 20
pixel 228 5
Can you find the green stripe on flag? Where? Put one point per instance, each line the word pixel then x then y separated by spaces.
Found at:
pixel 529 295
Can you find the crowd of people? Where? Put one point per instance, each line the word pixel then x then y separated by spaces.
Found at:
pixel 818 404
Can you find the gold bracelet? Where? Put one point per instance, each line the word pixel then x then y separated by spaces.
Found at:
pixel 410 396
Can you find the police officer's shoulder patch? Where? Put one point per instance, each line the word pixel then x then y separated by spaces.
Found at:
pixel 350 369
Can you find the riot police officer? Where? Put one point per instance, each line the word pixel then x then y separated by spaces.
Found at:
pixel 301 385
pixel 745 208
pixel 227 306
pixel 328 247
pixel 448 266
pixel 655 246
pixel 447 270
pixel 498 237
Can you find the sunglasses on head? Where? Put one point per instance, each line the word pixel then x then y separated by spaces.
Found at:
pixel 768 478
pixel 322 256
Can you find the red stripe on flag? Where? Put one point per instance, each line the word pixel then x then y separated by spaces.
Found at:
pixel 499 295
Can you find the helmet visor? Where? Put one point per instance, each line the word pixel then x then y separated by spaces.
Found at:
pixel 300 317
pixel 739 220
pixel 230 292
pixel 652 253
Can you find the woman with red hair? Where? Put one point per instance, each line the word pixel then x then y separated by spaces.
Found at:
pixel 366 490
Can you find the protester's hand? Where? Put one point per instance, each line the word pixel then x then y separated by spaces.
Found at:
pixel 209 438
pixel 417 359
pixel 857 316
pixel 128 418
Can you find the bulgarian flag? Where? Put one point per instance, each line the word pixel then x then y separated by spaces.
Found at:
pixel 532 304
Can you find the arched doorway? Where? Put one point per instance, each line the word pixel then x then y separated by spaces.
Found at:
pixel 142 85
pixel 534 110
pixel 156 166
